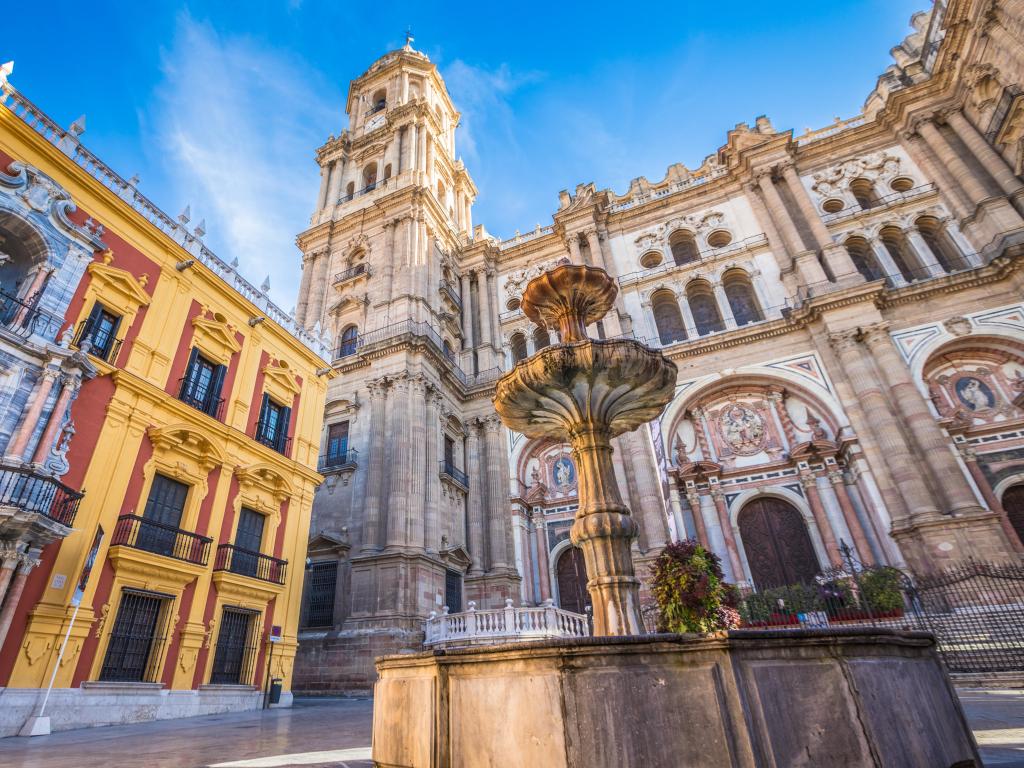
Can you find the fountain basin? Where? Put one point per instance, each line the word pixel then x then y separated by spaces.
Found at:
pixel 742 698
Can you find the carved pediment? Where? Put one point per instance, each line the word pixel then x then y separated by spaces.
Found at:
pixel 215 336
pixel 280 381
pixel 329 543
pixel 184 441
pixel 120 284
pixel 263 485
pixel 457 557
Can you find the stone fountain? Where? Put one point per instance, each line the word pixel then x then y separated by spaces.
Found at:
pixel 623 699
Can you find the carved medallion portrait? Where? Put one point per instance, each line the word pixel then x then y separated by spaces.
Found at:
pixel 563 473
pixel 742 429
pixel 975 393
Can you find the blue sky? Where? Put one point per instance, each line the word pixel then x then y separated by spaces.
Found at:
pixel 221 105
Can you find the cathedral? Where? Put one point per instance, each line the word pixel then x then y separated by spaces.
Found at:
pixel 844 307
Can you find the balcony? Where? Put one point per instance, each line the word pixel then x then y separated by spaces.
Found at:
pixel 347 459
pixel 365 190
pixel 402 330
pixel 450 471
pixel 83 336
pixel 200 400
pixel 350 274
pixel 25 489
pixel 449 292
pixel 880 204
pixel 502 625
pixel 25 318
pixel 380 106
pixel 270 437
pixel 161 539
pixel 245 562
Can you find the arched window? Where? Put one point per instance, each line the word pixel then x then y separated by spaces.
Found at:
pixel 349 337
pixel 387 171
pixel 864 191
pixel 1013 503
pixel 518 344
pixel 940 243
pixel 742 299
pixel 541 338
pixel 370 176
pixel 895 243
pixel 379 101
pixel 26 251
pixel 864 258
pixel 703 307
pixel 350 190
pixel 684 248
pixel 667 317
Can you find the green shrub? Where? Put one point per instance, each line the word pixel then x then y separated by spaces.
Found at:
pixel 691 591
pixel 881 589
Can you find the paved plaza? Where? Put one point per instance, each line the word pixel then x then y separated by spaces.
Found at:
pixel 336 732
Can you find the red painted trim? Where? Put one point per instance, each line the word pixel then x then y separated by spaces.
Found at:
pixel 227 524
pixel 89 412
pixel 206 510
pixel 257 396
pixel 181 353
pixel 184 606
pixel 204 652
pixel 279 538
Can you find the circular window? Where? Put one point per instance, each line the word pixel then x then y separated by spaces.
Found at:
pixel 833 205
pixel 650 260
pixel 902 184
pixel 512 304
pixel 719 238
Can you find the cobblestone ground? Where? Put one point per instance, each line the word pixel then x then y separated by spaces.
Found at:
pixel 317 733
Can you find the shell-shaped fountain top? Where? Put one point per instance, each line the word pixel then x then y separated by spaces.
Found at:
pixel 569 298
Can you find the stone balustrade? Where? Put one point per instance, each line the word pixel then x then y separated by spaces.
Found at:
pixel 502 625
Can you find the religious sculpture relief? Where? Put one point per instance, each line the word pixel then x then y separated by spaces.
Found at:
pixel 742 429
pixel 836 179
pixel 517 280
pixel 977 387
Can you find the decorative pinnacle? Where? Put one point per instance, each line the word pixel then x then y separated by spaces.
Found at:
pixel 408 38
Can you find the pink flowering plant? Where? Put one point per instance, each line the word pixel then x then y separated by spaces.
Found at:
pixel 691 590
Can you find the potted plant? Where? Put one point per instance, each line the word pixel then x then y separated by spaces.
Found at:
pixel 691 590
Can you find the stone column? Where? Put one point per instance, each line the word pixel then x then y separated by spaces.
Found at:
pixel 421 149
pixel 492 297
pixel 806 261
pixel 651 503
pixel 19 440
pixel 321 197
pixel 723 305
pixel 388 278
pixel 431 528
pixel 834 254
pixel 991 160
pixel 701 534
pixel 497 497
pixel 677 511
pixel 860 541
pixel 543 566
pixel 775 241
pixel 828 538
pixel 884 258
pixel 596 253
pixel 302 303
pixel 688 322
pixel 375 454
pixel 573 244
pixel 474 516
pixel 730 540
pixel 69 388
pixel 334 188
pixel 903 465
pixel 929 264
pixel 401 462
pixel 485 307
pixel 29 560
pixel 467 311
pixel 963 173
pixel 922 154
pixel 933 445
pixel 9 559
pixel 416 484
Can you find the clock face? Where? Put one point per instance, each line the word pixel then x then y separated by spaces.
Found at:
pixel 375 122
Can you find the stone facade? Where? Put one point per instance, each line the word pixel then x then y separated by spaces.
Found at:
pixel 843 306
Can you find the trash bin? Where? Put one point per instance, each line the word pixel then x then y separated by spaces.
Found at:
pixel 275 690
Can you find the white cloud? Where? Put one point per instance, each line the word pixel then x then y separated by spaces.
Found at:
pixel 237 123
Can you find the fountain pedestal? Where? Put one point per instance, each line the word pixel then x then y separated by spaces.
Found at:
pixel 626 700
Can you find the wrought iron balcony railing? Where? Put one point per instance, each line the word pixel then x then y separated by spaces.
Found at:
pixel 338 459
pixel 448 468
pixel 33 492
pixel 26 318
pixel 161 539
pixel 272 439
pixel 106 351
pixel 200 400
pixel 350 274
pixel 881 203
pixel 245 562
pixel 449 291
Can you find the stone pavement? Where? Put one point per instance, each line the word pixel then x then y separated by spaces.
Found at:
pixel 317 733
pixel 314 733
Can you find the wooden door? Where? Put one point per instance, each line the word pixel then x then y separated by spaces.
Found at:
pixel 1013 503
pixel 776 542
pixel 572 581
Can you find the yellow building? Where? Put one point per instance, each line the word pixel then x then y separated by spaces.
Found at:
pixel 189 408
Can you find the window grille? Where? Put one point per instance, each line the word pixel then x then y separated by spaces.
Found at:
pixel 137 639
pixel 237 648
pixel 453 590
pixel 321 582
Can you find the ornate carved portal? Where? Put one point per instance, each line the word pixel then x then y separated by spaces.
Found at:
pixel 1013 503
pixel 572 581
pixel 776 542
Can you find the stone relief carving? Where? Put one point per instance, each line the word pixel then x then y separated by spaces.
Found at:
pixel 877 166
pixel 516 281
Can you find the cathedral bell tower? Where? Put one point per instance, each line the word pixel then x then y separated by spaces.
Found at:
pixel 415 508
